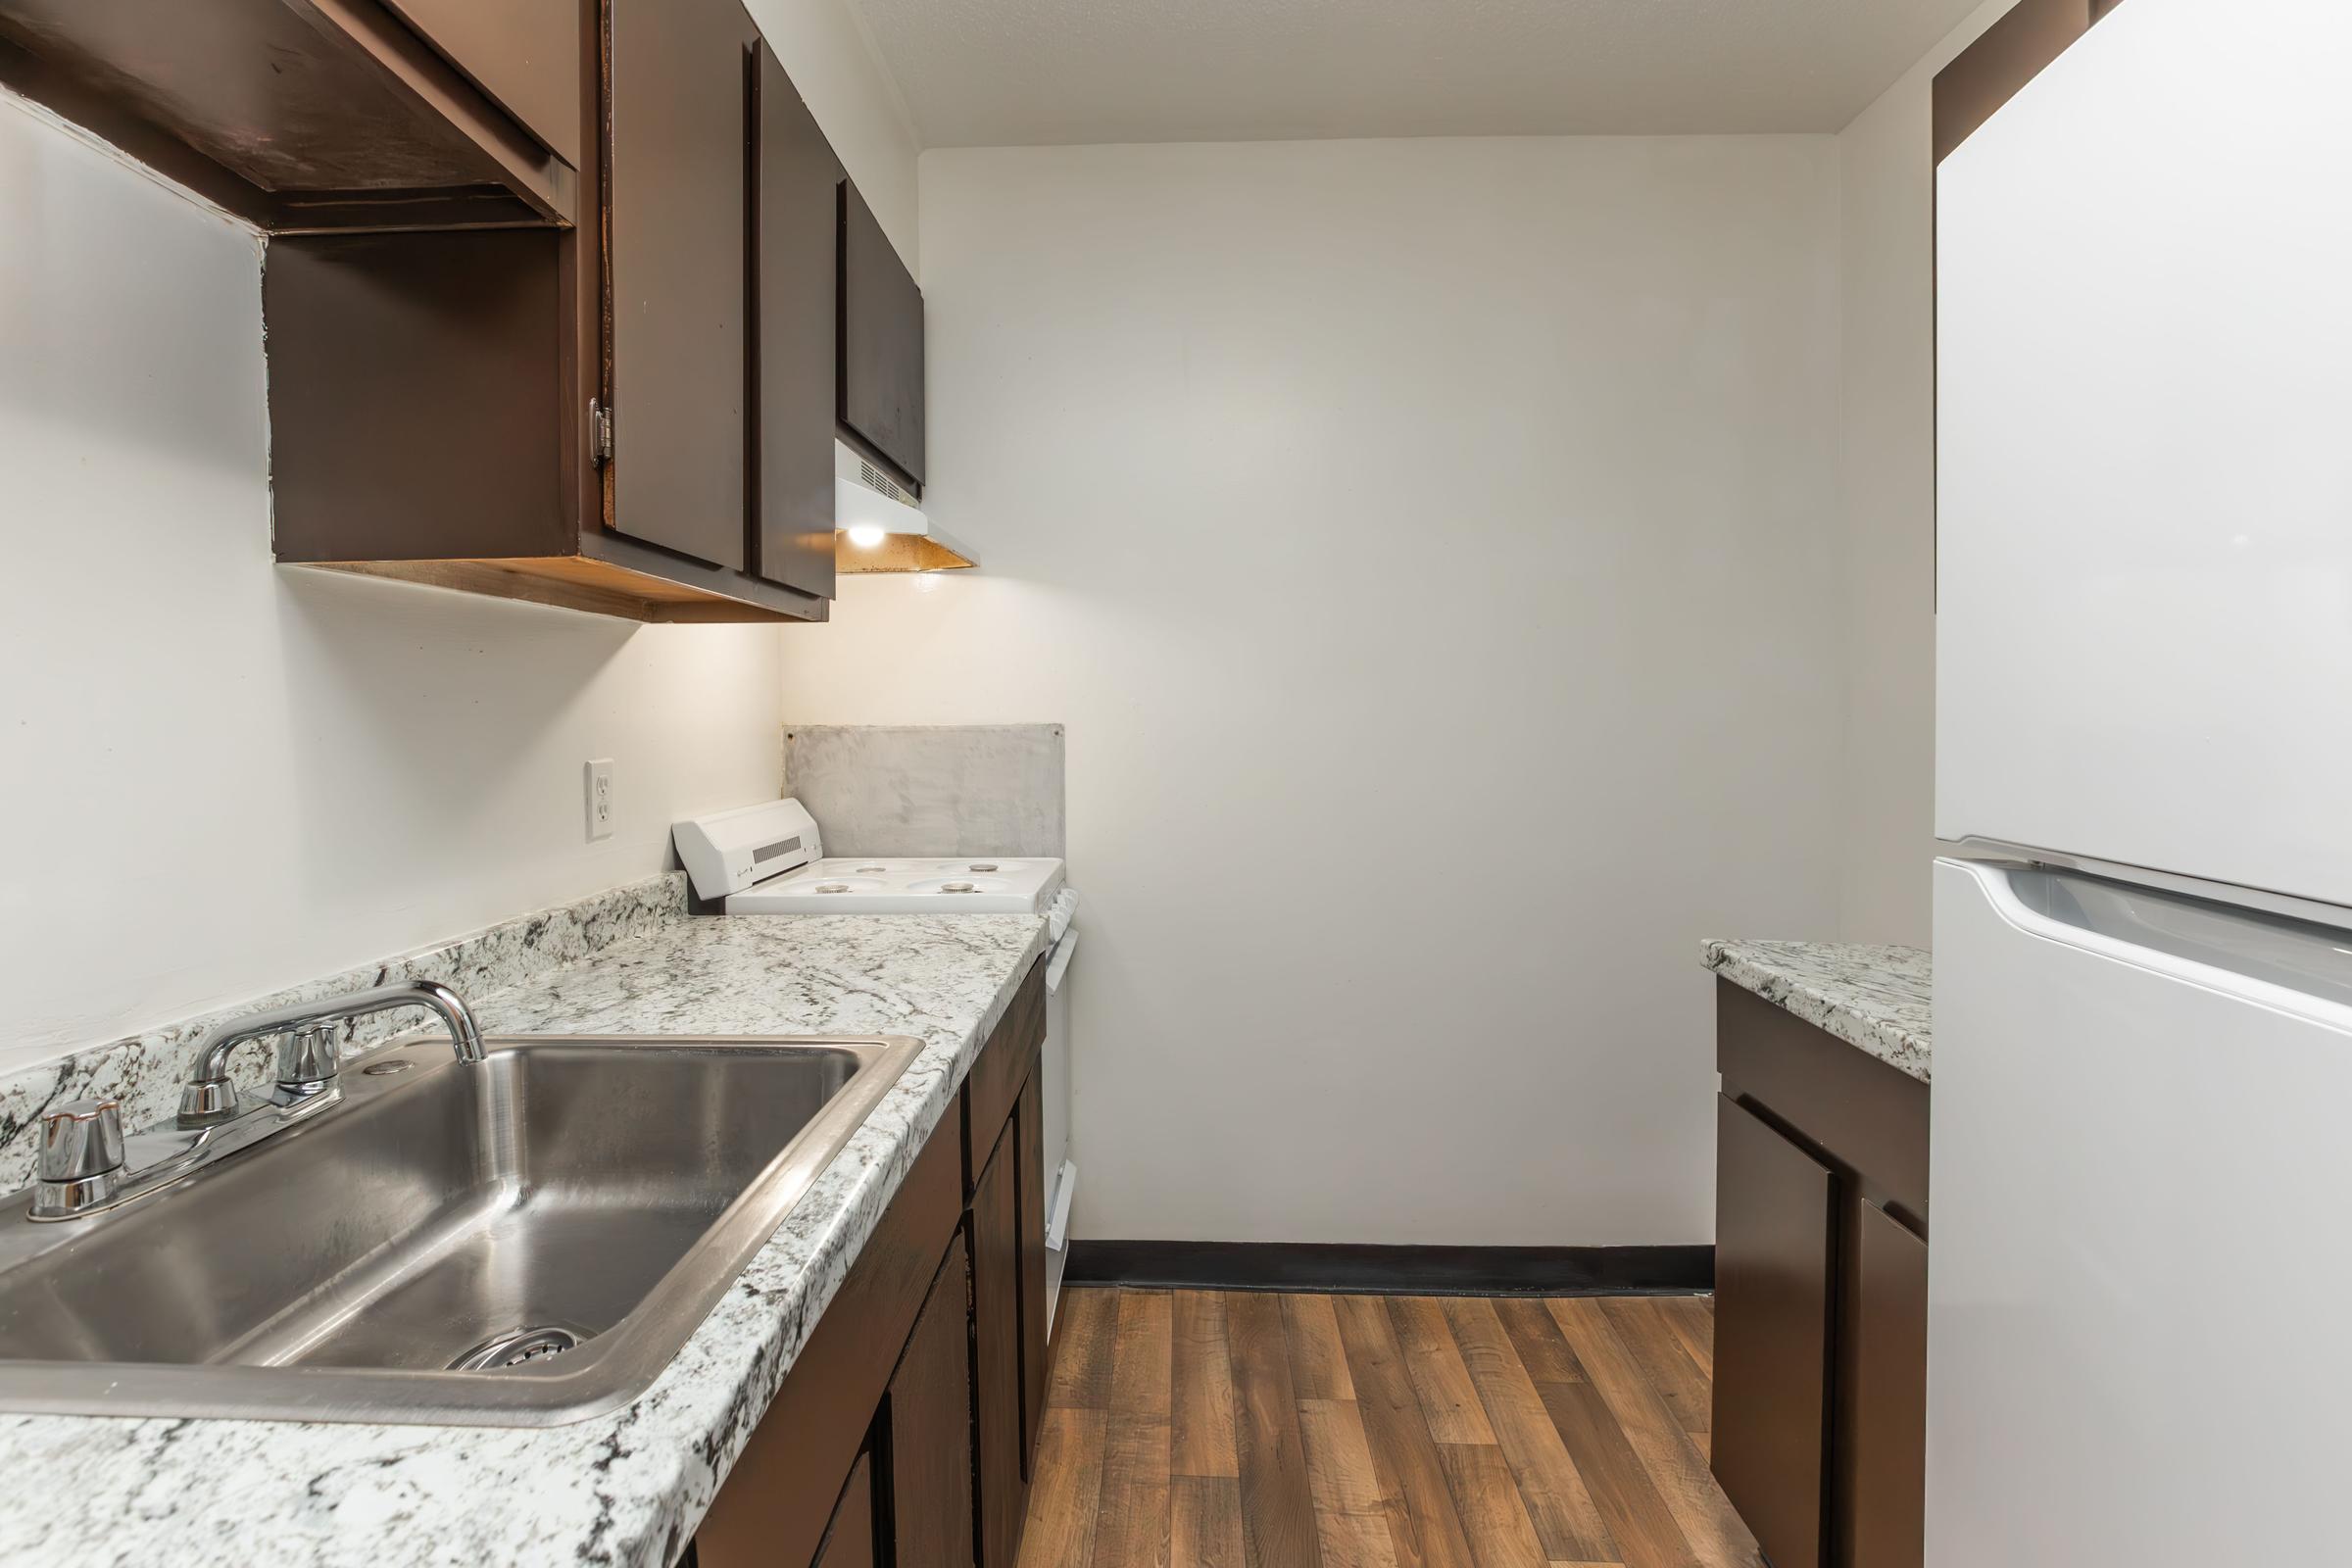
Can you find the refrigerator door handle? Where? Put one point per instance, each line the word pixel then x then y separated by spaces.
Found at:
pixel 2292 966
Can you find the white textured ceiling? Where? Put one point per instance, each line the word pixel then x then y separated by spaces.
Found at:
pixel 985 72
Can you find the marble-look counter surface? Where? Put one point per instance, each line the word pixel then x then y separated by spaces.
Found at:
pixel 1875 998
pixel 624 1488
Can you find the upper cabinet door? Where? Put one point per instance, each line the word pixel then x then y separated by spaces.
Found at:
pixel 795 220
pixel 881 340
pixel 676 159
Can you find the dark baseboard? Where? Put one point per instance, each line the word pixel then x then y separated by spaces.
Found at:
pixel 1354 1271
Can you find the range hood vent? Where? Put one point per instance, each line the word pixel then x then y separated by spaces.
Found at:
pixel 879 525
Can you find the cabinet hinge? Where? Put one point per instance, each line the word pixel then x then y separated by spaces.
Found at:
pixel 599 432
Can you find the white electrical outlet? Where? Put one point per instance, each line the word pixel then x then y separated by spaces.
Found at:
pixel 600 798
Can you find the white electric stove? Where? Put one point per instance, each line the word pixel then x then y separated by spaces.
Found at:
pixel 893 886
pixel 769 859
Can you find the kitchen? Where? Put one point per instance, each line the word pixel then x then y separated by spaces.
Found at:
pixel 1501 584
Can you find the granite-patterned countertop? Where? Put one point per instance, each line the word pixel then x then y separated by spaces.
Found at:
pixel 624 1488
pixel 1875 998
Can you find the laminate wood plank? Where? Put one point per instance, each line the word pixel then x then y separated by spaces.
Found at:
pixel 1352 1513
pixel 1692 1319
pixel 1423 1524
pixel 1133 1521
pixel 1085 1333
pixel 1558 1500
pixel 1339 1458
pixel 1203 1388
pixel 1638 1520
pixel 1543 1349
pixel 1204 1521
pixel 1064 1503
pixel 1143 1365
pixel 1713 1529
pixel 1448 1401
pixel 1278 1510
pixel 1318 1362
pixel 1494 1514
pixel 1659 1351
pixel 1356 1540
pixel 1132 1526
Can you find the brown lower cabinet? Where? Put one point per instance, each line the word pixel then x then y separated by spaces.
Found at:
pixel 930 1434
pixel 1820 1424
pixel 850 1538
pixel 899 1435
pixel 1773 1282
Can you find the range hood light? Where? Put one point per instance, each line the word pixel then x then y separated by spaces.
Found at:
pixel 881 523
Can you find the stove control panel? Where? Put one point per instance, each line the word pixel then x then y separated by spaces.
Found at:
pixel 731 850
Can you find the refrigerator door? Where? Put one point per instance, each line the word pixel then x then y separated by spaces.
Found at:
pixel 2144 480
pixel 2139 1165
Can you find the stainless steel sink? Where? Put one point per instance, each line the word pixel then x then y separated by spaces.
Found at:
pixel 523 1241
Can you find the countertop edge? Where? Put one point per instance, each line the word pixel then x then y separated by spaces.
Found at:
pixel 1821 983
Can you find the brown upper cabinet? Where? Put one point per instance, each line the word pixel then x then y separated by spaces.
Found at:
pixel 309 116
pixel 796 181
pixel 555 294
pixel 881 342
pixel 680 238
pixel 633 416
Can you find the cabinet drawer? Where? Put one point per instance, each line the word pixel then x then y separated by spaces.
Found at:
pixel 1773 1247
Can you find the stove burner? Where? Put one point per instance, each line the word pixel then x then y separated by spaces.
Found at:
pixel 982 865
pixel 832 887
pixel 868 870
pixel 957 887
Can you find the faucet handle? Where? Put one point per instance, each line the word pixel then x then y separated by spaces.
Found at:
pixel 79 1163
pixel 80 1138
pixel 206 1101
pixel 307 1058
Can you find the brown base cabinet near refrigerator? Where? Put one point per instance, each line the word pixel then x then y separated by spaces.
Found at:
pixel 1821 1291
pixel 905 1433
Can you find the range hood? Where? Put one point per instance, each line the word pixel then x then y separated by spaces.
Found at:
pixel 879 526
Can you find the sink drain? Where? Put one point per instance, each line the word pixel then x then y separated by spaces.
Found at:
pixel 515 1348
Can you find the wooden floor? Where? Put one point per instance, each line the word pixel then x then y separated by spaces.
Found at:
pixel 1255 1430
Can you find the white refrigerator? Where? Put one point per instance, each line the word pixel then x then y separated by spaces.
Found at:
pixel 2142 1118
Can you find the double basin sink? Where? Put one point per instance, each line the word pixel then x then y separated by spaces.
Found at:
pixel 522 1241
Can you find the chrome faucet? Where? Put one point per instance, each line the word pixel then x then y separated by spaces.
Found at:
pixel 85 1165
pixel 308 1062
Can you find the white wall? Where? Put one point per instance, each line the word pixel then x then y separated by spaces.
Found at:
pixel 1432 548
pixel 1886 163
pixel 223 775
